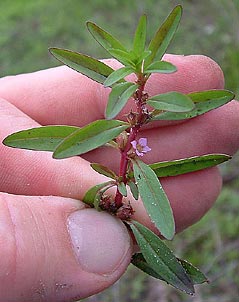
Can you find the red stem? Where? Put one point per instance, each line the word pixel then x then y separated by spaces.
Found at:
pixel 132 136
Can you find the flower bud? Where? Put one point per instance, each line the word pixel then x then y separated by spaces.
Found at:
pixel 122 140
pixel 132 118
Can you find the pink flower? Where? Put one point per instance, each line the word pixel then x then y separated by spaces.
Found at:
pixel 140 147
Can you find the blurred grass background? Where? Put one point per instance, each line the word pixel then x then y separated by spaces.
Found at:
pixel 28 28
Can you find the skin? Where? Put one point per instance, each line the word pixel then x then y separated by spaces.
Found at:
pixel 52 248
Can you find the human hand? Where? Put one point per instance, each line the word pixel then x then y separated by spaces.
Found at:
pixel 37 233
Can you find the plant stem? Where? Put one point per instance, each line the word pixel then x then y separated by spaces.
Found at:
pixel 134 129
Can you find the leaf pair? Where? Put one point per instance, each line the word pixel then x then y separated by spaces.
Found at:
pixel 204 101
pixel 98 71
pixel 158 261
pixel 158 44
pixel 67 141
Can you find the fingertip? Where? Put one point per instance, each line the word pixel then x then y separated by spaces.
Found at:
pixel 211 70
pixel 194 73
pixel 100 242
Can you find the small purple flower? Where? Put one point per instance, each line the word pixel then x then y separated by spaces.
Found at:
pixel 140 147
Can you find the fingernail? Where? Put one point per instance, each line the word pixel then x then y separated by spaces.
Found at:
pixel 100 241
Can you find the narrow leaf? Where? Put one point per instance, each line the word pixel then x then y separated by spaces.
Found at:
pixel 103 37
pixel 89 137
pixel 93 191
pixel 164 35
pixel 88 66
pixel 118 75
pixel 211 95
pixel 45 138
pixel 202 105
pixel 134 189
pixel 192 164
pixel 159 257
pixel 140 36
pixel 160 67
pixel 143 56
pixel 103 170
pixel 194 273
pixel 154 198
pixel 97 201
pixel 122 56
pixel 118 98
pixel 171 101
pixel 122 189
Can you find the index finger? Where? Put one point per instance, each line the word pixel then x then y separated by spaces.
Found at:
pixel 63 96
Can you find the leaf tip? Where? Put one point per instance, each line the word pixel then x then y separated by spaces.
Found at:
pixel 52 50
pixel 179 8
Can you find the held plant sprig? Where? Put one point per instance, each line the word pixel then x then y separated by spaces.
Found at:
pixel 134 175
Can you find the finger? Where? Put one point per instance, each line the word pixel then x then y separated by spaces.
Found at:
pixel 63 96
pixel 52 249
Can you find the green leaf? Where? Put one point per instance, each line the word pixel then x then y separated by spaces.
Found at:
pixel 154 198
pixel 159 257
pixel 88 66
pixel 140 36
pixel 211 95
pixel 122 56
pixel 97 200
pixel 118 98
pixel 91 194
pixel 134 189
pixel 89 137
pixel 143 56
pixel 45 138
pixel 164 35
pixel 118 75
pixel 194 273
pixel 217 98
pixel 160 67
pixel 191 164
pixel 122 188
pixel 103 37
pixel 103 170
pixel 171 101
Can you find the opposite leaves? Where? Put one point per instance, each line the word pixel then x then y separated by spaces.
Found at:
pixel 159 257
pixel 204 101
pixel 196 276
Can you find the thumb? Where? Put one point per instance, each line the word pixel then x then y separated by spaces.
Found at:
pixel 55 249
